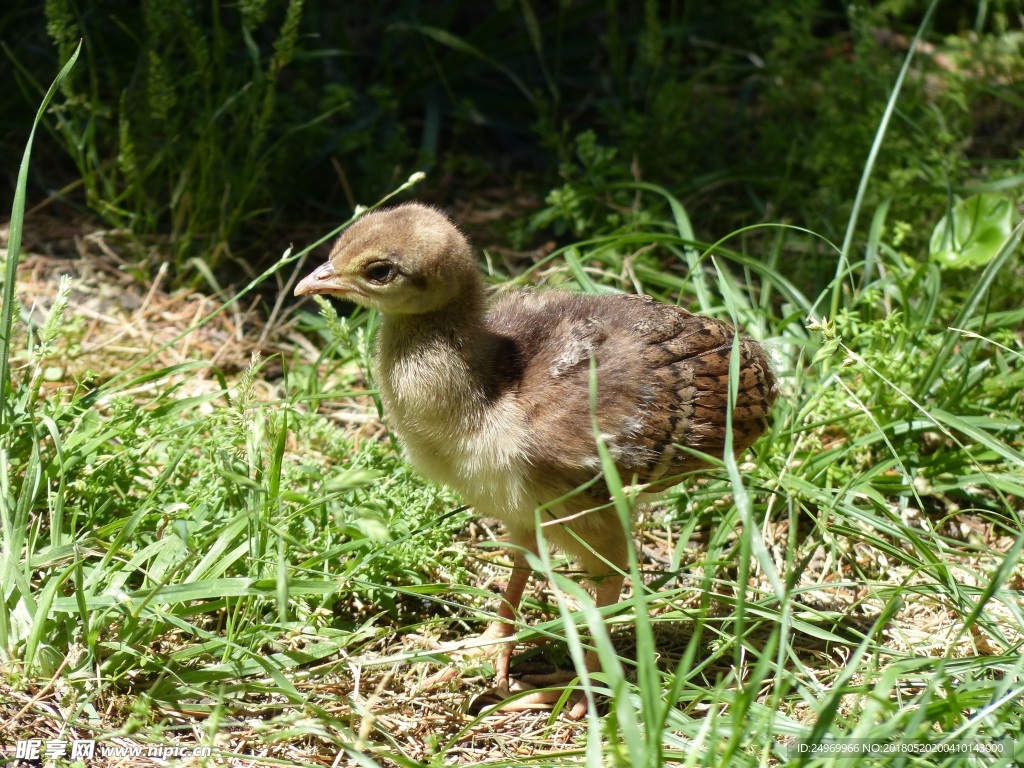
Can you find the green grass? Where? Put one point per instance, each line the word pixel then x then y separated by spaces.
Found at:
pixel 240 559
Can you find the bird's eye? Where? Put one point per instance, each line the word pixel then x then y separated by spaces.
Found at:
pixel 380 273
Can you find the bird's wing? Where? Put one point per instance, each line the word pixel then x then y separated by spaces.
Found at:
pixel 662 378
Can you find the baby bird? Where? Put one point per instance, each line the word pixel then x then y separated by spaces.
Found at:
pixel 495 403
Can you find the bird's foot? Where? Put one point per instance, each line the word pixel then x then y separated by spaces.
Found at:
pixel 533 692
pixel 526 693
pixel 493 644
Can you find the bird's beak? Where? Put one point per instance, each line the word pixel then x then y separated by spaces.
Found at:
pixel 323 279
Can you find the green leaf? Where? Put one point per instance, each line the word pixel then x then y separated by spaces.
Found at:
pixel 972 234
pixel 369 526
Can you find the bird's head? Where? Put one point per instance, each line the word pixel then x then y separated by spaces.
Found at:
pixel 406 260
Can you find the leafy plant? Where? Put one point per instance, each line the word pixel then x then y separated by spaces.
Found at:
pixel 177 128
pixel 973 232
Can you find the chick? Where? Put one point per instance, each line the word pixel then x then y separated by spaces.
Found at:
pixel 495 402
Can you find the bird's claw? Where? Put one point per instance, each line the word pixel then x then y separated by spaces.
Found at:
pixel 494 644
pixel 522 695
pixel 528 693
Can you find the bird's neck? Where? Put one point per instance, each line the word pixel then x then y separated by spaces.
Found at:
pixel 437 365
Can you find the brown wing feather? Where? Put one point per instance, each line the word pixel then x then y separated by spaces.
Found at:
pixel 662 380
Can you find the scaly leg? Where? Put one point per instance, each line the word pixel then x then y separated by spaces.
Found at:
pixel 603 556
pixel 503 627
pixel 606 592
pixel 498 630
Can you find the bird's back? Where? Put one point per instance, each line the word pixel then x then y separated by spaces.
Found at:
pixel 662 384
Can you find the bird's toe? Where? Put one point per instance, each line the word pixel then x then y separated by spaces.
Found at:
pixel 520 696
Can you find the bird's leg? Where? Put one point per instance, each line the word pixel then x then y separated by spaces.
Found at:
pixel 503 627
pixel 606 592
pixel 604 557
pixel 500 629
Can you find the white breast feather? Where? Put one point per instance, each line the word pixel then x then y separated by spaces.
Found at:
pixel 485 463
